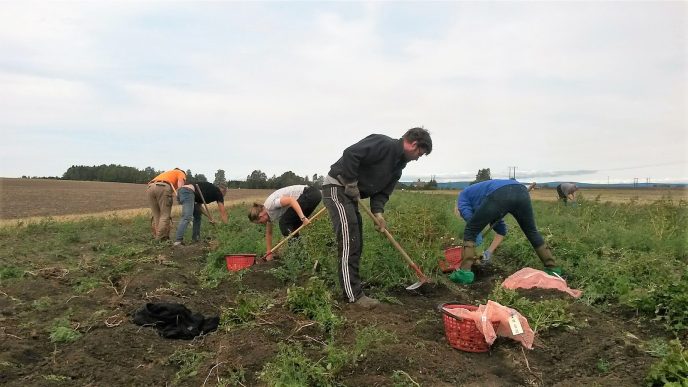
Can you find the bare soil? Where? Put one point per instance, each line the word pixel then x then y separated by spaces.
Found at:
pixel 600 350
pixel 26 198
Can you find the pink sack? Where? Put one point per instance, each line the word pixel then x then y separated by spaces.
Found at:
pixel 493 311
pixel 528 278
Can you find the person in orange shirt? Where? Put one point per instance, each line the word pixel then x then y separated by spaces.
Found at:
pixel 161 191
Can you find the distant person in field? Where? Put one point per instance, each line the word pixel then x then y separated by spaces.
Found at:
pixel 193 198
pixel 160 193
pixel 290 206
pixel 487 203
pixel 567 191
pixel 370 168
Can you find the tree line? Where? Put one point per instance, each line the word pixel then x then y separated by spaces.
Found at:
pixel 257 179
pixel 123 174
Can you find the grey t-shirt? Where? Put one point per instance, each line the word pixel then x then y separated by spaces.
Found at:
pixel 272 203
pixel 568 188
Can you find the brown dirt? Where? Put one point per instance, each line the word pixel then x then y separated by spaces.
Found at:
pixel 27 198
pixel 127 354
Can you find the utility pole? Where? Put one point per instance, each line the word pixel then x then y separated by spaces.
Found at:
pixel 635 182
pixel 514 174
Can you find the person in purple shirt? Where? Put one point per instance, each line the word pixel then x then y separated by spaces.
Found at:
pixel 488 202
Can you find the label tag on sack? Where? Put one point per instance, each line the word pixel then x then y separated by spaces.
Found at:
pixel 516 328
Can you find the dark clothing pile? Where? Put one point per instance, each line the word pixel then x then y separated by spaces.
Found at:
pixel 175 321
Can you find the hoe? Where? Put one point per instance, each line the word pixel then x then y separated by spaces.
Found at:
pixel 422 279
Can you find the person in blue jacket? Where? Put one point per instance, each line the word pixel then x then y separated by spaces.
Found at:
pixel 488 202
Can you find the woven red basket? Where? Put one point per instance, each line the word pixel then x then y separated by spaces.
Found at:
pixel 461 333
pixel 452 259
pixel 236 262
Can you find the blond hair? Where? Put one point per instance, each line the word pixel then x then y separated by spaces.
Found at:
pixel 254 211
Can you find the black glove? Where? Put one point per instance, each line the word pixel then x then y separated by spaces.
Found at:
pixel 350 189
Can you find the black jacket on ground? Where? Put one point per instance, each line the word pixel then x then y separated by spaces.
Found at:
pixel 175 321
pixel 376 162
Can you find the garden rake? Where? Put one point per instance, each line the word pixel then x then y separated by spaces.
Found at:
pixel 422 278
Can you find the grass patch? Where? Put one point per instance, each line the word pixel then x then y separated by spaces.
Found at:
pixel 85 285
pixel 10 272
pixel 248 307
pixel 314 301
pixel 291 367
pixel 187 362
pixel 42 304
pixel 62 332
pixel 672 370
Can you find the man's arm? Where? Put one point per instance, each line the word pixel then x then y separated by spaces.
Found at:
pixel 465 208
pixel 378 200
pixel 223 212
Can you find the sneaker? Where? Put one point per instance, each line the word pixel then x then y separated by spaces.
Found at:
pixel 366 302
pixel 177 243
pixel 463 277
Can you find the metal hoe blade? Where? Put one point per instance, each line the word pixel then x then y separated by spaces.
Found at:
pixel 415 286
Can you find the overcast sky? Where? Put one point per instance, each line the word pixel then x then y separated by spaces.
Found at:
pixel 581 91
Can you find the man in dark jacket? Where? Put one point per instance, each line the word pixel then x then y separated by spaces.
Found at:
pixel 368 169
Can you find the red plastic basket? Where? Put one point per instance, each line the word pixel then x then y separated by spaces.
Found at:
pixel 452 259
pixel 236 262
pixel 463 334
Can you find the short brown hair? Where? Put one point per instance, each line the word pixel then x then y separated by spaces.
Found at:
pixel 420 135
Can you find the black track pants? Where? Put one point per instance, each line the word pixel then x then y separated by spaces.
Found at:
pixel 347 225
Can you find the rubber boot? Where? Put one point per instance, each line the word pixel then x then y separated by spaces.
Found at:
pixel 545 255
pixel 464 275
pixel 468 255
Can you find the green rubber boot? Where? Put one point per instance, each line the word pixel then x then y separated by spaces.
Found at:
pixel 553 271
pixel 463 277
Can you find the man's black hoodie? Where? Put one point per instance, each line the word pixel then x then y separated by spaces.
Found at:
pixel 376 162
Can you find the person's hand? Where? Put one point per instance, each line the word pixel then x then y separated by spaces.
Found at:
pixel 350 189
pixel 305 220
pixel 380 224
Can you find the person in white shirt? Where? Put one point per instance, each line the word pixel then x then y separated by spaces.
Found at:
pixel 291 206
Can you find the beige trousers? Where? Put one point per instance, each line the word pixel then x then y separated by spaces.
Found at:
pixel 160 200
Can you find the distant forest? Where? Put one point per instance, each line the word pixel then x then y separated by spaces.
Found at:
pixel 122 174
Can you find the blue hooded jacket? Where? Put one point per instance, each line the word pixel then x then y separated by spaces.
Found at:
pixel 471 197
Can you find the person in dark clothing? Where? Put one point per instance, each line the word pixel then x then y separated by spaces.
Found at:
pixel 368 169
pixel 291 206
pixel 566 192
pixel 488 202
pixel 192 197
